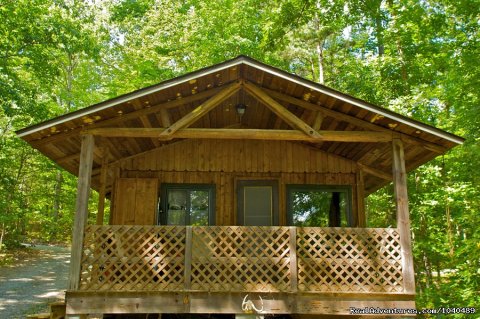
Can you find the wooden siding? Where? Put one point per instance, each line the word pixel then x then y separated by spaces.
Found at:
pixel 239 156
pixel 226 186
pixel 223 163
pixel 135 201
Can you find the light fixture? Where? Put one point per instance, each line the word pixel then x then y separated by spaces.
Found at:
pixel 241 108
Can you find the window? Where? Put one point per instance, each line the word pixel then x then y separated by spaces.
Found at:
pixel 319 206
pixel 187 204
pixel 257 202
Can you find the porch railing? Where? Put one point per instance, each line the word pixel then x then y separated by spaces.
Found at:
pixel 241 259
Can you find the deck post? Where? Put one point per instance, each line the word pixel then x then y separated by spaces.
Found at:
pixel 188 257
pixel 102 189
pixel 403 218
pixel 293 259
pixel 360 192
pixel 81 209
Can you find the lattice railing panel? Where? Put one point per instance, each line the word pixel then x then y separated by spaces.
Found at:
pixel 240 259
pixel 349 260
pixel 232 258
pixel 133 258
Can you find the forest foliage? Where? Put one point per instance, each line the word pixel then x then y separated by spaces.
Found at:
pixel 418 58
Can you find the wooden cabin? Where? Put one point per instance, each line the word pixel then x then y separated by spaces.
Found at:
pixel 238 188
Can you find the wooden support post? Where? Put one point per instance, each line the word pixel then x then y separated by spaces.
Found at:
pixel 188 267
pixel 116 175
pixel 360 188
pixel 317 124
pixel 293 259
pixel 188 257
pixel 81 211
pixel 165 117
pixel 102 189
pixel 403 219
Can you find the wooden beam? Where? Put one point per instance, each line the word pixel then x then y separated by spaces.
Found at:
pixel 317 124
pixel 375 172
pixel 128 116
pixel 165 117
pixel 188 258
pixel 201 110
pixel 355 121
pixel 146 123
pixel 403 218
pixel 67 158
pixel 360 191
pixel 334 303
pixel 255 134
pixel 102 187
pixel 81 211
pixel 293 259
pixel 280 110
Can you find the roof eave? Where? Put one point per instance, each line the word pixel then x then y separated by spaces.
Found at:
pixel 234 62
pixel 129 96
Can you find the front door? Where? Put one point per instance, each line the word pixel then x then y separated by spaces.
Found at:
pixel 257 203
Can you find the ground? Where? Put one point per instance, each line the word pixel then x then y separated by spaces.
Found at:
pixel 33 282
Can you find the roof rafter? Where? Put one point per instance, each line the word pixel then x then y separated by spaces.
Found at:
pixel 353 120
pixel 130 115
pixel 280 110
pixel 201 110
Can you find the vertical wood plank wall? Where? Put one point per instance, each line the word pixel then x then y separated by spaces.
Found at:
pixel 223 162
pixel 135 201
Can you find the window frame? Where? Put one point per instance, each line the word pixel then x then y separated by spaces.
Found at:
pixel 347 189
pixel 163 209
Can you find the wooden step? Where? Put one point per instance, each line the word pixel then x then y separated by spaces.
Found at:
pixel 44 315
pixel 57 310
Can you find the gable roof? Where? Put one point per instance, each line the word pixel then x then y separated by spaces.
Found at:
pixel 165 103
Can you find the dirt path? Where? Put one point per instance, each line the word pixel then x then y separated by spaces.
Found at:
pixel 30 287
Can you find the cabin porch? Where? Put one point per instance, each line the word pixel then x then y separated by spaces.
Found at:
pixel 211 269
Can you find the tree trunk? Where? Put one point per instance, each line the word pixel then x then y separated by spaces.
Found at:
pixel 321 79
pixel 2 233
pixel 400 52
pixel 56 204
pixel 447 210
pixel 312 69
pixel 334 214
pixel 379 32
pixel 56 200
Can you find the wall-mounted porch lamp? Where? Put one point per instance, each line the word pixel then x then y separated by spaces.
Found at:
pixel 241 108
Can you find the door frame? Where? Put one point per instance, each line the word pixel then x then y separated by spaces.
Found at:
pixel 240 185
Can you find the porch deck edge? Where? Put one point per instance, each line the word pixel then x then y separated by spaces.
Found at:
pixel 83 302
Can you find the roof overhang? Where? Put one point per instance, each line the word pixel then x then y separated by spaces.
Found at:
pixel 263 85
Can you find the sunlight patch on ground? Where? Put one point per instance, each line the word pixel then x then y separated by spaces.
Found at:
pixel 21 279
pixel 52 294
